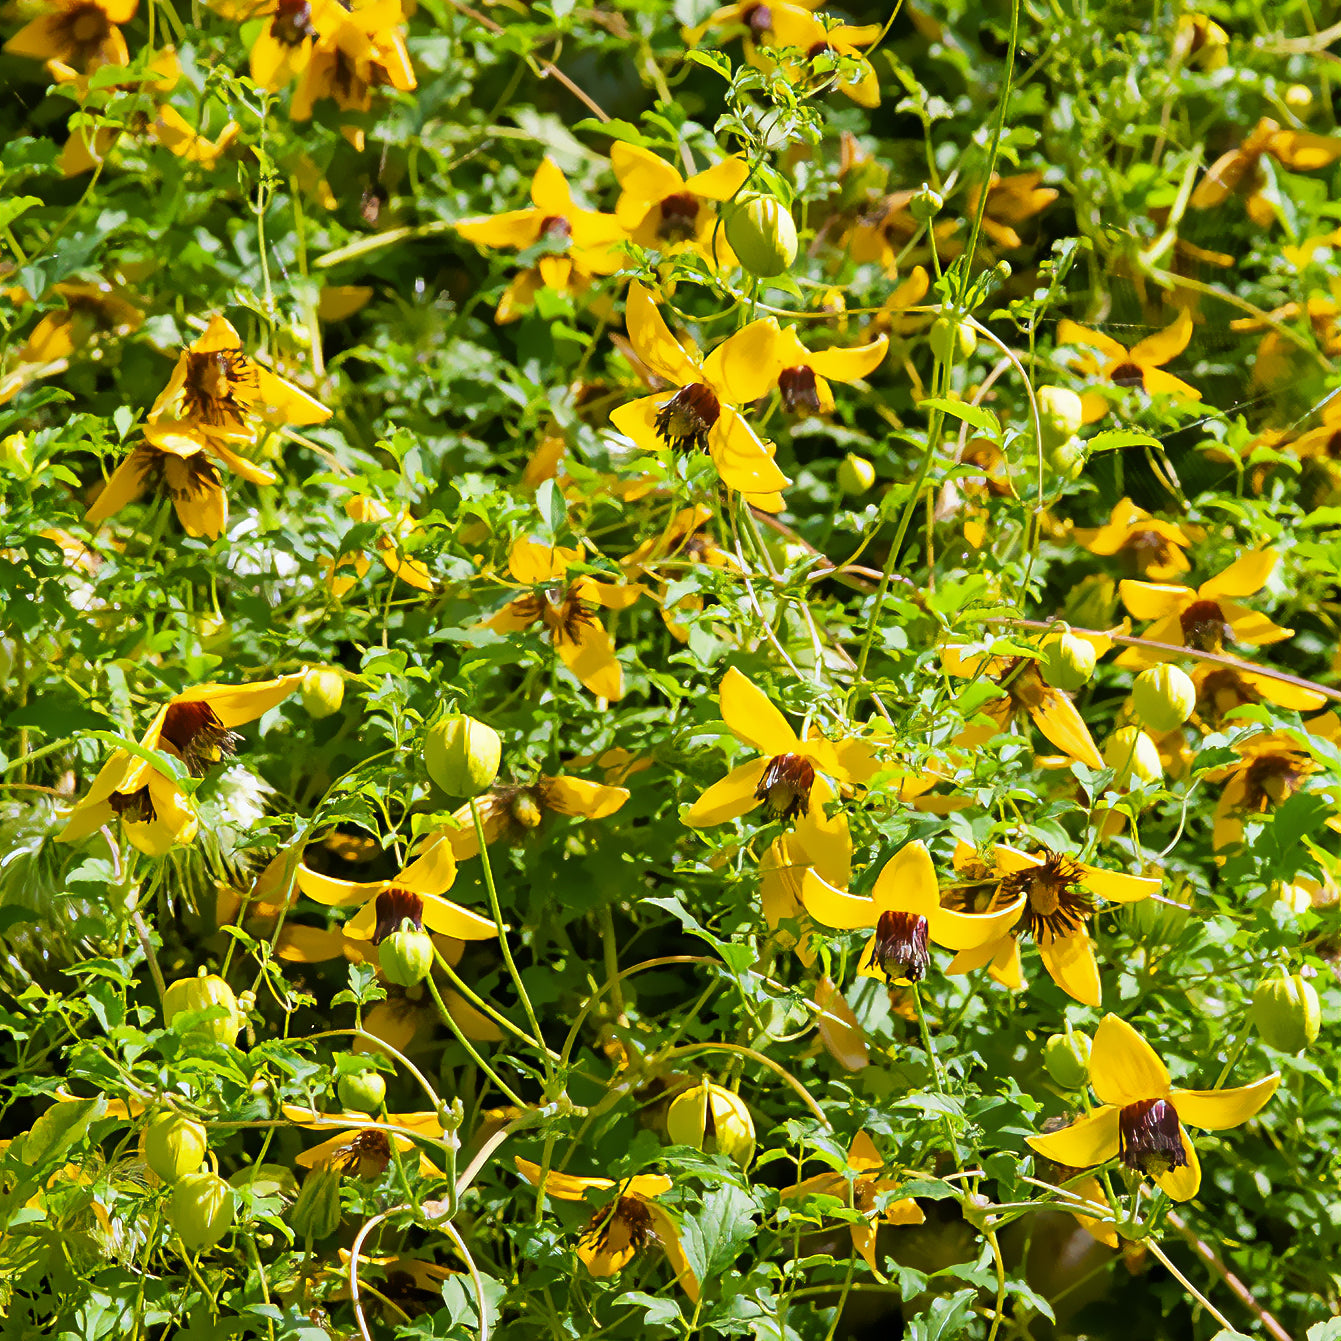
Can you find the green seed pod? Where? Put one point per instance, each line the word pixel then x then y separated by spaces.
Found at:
pixel 1061 415
pixel 952 339
pixel 406 957
pixel 462 755
pixel 362 1091
pixel 316 1213
pixel 1163 697
pixel 1092 602
pixel 1287 1013
pixel 174 1146
pixel 323 691
pixel 855 475
pixel 199 993
pixel 1131 754
pixel 1067 660
pixel 201 1210
pixel 760 231
pixel 712 1119
pixel 1066 1058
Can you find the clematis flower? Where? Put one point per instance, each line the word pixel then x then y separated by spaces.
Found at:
pixel 90 310
pixel 1202 618
pixel 586 242
pixel 701 414
pixel 663 211
pixel 1010 201
pixel 905 914
pixel 1052 897
pixel 791 778
pixel 1142 1115
pixel 359 1148
pixel 360 508
pixel 1221 689
pixel 755 18
pixel 413 894
pixel 1150 547
pixel 619 1230
pixel 1025 691
pixel 804 375
pixel 83 34
pixel 870 1178
pixel 782 872
pixel 408 1286
pixel 837 1026
pixel 1240 172
pixel 793 28
pixel 283 48
pixel 217 392
pixel 1142 365
pixel 567 611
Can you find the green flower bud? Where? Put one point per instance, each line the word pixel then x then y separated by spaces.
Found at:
pixel 1068 458
pixel 761 233
pixel 174 1146
pixel 406 956
pixel 316 1213
pixel 952 339
pixel 926 204
pixel 855 474
pixel 1067 661
pixel 1163 697
pixel 1287 1013
pixel 323 691
pixel 1066 1058
pixel 462 755
pixel 1153 921
pixel 362 1091
pixel 1060 415
pixel 1131 754
pixel 188 995
pixel 712 1119
pixel 201 1210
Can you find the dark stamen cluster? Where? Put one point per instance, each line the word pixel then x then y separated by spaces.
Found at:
pixel 199 737
pixel 785 785
pixel 292 24
pixel 367 1155
pixel 679 216
pixel 624 1224
pixel 1149 1139
pixel 395 906
pixel 901 947
pixel 134 807
pixel 1204 626
pixel 800 393
pixel 215 383
pixel 1055 902
pixel 1272 778
pixel 1127 374
pixel 688 417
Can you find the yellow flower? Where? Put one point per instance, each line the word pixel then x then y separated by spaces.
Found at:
pixel 588 241
pixel 1154 548
pixel 81 33
pixel 754 17
pixel 782 873
pixel 1142 365
pixel 360 508
pixel 354 50
pixel 1142 1115
pixel 665 212
pixel 567 610
pixel 1221 689
pixel 803 375
pixel 1051 897
pixel 1010 201
pixel 90 310
pixel 617 1231
pixel 791 27
pixel 861 1191
pixel 1202 618
pixel 701 414
pixel 1239 172
pixel 359 1148
pixel 905 913
pixel 283 47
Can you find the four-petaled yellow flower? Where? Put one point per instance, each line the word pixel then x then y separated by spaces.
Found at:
pixel 1141 1120
pixel 1142 365
pixel 1153 548
pixel 360 1148
pixel 803 375
pixel 82 34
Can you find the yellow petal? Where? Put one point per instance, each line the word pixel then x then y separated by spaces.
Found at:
pixel 667 1233
pixel 1248 626
pixel 580 797
pixel 1217 1110
pixel 126 485
pixel 1091 1140
pixel 1124 1068
pixel 907 883
pixel 721 181
pixel 1069 961
pixel 652 340
pixel 1246 576
pixel 337 893
pixel 848 365
pixel 642 175
pixel 730 798
pixel 433 871
pixel 837 907
pixel 840 1033
pixel 298 944
pixel 1069 333
pixel 1153 600
pixel 590 655
pixel 741 459
pixel 750 714
pixel 516 229
pixel 1183 1184
pixel 744 367
pixel 564 1186
pixel 533 563
pixel 237 704
pixel 1058 720
pixel 1164 345
pixel 637 421
pixel 1118 888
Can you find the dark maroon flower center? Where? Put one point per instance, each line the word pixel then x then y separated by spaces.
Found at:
pixel 800 391
pixel 785 785
pixel 1272 778
pixel 1147 548
pixel 679 216
pixel 367 1155
pixel 688 417
pixel 1149 1138
pixel 213 381
pixel 292 24
pixel 134 807
pixel 1055 902
pixel 396 906
pixel 759 20
pixel 625 1224
pixel 1204 626
pixel 900 947
pixel 195 730
pixel 556 228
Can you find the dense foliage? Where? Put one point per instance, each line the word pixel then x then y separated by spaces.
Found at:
pixel 669 671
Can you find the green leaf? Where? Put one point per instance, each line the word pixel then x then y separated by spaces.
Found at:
pixel 11 209
pixel 715 1236
pixel 663 1311
pixel 976 416
pixel 1112 439
pixel 943 1318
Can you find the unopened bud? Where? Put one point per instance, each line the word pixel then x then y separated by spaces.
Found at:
pixel 316 1213
pixel 201 1210
pixel 1067 661
pixel 462 755
pixel 323 692
pixel 1066 1058
pixel 713 1119
pixel 406 956
pixel 1131 754
pixel 189 995
pixel 1061 414
pixel 926 204
pixel 761 232
pixel 855 475
pixel 1163 697
pixel 1287 1013
pixel 174 1146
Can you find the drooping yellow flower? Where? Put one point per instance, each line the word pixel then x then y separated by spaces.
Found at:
pixel 90 310
pixel 1010 201
pixel 1142 1114
pixel 617 1231
pixel 81 33
pixel 283 47
pixel 1052 898
pixel 663 211
pixel 755 18
pixel 871 1177
pixel 1202 618
pixel 1221 689
pixel 359 1148
pixel 361 508
pixel 792 28
pixel 1141 366
pixel 702 413
pixel 803 375
pixel 587 241
pixel 1152 547
pixel 567 611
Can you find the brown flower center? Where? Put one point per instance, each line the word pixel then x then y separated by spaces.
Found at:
pixel 900 947
pixel 1055 902
pixel 83 30
pixel 214 391
pixel 785 785
pixel 623 1225
pixel 1149 1139
pixel 759 20
pixel 194 729
pixel 1128 374
pixel 1204 626
pixel 1271 778
pixel 134 807
pixel 1147 548
pixel 1223 690
pixel 800 392
pixel 688 417
pixel 556 228
pixel 367 1155
pixel 292 24
pixel 679 216
pixel 396 906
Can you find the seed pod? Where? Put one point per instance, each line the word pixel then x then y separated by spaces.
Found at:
pixel 462 755
pixel 201 1210
pixel 951 339
pixel 1287 1013
pixel 1061 414
pixel 1163 697
pixel 1131 754
pixel 199 993
pixel 174 1146
pixel 406 957
pixel 1067 660
pixel 1066 1058
pixel 363 1091
pixel 713 1119
pixel 762 234
pixel 855 474
pixel 323 692
pixel 316 1213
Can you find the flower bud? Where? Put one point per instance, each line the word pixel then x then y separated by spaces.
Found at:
pixel 201 1210
pixel 1287 1013
pixel 525 809
pixel 362 1091
pixel 713 1119
pixel 1154 921
pixel 188 995
pixel 855 474
pixel 761 233
pixel 316 1212
pixel 462 755
pixel 1131 754
pixel 174 1146
pixel 1066 1058
pixel 1068 458
pixel 1060 414
pixel 406 957
pixel 323 691
pixel 951 339
pixel 926 204
pixel 1298 97
pixel 1066 660
pixel 1163 697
